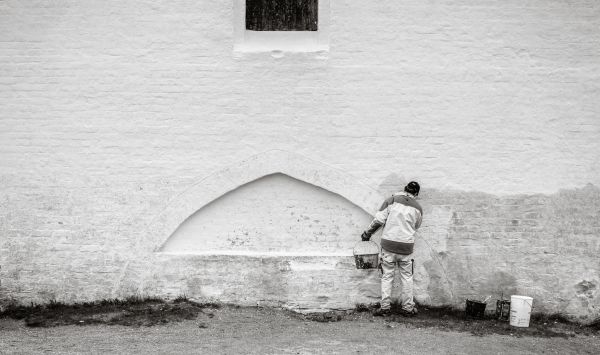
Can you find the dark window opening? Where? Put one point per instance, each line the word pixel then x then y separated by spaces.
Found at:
pixel 282 15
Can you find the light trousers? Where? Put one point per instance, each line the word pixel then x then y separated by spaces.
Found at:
pixel 389 261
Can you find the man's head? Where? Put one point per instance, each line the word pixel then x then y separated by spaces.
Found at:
pixel 412 188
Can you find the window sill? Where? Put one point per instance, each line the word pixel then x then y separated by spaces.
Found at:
pixel 280 41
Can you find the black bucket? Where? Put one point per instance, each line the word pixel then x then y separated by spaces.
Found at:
pixel 475 309
pixel 366 261
pixel 502 309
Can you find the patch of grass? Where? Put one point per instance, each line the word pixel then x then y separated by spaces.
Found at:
pixel 455 319
pixel 362 307
pixel 325 317
pixel 185 299
pixel 181 298
pixel 149 311
pixel 595 324
pixel 547 318
pixel 135 310
pixel 17 311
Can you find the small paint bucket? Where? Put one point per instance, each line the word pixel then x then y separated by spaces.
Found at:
pixel 366 255
pixel 475 309
pixel 367 261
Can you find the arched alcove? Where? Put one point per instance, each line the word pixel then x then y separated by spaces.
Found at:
pixel 214 186
pixel 273 215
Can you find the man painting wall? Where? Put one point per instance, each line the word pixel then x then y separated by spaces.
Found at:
pixel 400 216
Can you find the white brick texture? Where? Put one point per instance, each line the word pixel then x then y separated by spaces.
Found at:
pixel 113 112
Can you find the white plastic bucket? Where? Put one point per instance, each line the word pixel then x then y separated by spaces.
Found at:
pixel 520 310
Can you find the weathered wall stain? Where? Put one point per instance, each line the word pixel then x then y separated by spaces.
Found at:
pixel 535 245
pixel 586 288
pixel 587 293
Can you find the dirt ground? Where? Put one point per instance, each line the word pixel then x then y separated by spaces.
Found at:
pixel 229 329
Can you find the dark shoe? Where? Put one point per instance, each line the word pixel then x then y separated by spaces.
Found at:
pixel 410 313
pixel 382 312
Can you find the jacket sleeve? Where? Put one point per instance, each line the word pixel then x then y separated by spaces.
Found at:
pixel 419 220
pixel 380 217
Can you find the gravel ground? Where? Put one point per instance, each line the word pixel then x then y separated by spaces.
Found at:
pixel 232 330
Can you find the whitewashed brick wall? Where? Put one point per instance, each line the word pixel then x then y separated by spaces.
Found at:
pixel 111 111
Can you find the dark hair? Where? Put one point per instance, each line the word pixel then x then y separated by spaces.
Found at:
pixel 412 188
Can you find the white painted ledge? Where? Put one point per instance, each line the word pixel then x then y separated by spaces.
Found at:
pixel 257 253
pixel 280 41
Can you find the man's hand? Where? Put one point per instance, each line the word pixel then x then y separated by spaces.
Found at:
pixel 365 237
